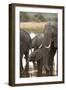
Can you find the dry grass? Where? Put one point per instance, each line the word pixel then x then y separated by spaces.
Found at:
pixel 35 26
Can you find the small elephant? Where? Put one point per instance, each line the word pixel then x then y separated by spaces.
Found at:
pixel 40 55
pixel 25 45
pixel 36 42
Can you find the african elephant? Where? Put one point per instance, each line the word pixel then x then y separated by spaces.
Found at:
pixel 25 45
pixel 40 55
pixel 37 40
pixel 50 39
pixel 45 54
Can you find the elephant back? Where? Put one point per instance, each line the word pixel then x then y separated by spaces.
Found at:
pixel 25 40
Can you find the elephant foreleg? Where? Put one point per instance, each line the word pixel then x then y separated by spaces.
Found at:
pixel 35 65
pixel 27 65
pixel 51 58
pixel 47 70
pixel 39 67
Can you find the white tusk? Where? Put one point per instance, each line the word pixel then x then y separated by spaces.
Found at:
pixel 48 46
pixel 40 46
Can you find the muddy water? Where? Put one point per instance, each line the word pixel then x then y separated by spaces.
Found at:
pixel 33 69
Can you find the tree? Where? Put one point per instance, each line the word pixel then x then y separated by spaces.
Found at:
pixel 39 17
pixel 24 17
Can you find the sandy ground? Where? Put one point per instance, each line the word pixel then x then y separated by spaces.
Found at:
pixel 32 25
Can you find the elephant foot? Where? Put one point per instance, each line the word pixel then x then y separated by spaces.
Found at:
pixel 21 74
pixel 24 74
pixel 39 74
pixel 51 72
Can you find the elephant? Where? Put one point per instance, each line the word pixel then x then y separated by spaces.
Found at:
pixel 50 34
pixel 50 39
pixel 45 54
pixel 37 40
pixel 41 56
pixel 25 45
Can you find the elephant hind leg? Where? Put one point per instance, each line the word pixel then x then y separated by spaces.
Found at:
pixel 47 70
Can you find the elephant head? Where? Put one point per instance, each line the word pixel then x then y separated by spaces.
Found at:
pixel 35 55
pixel 50 35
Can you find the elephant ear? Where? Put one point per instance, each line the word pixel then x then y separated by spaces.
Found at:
pixel 38 55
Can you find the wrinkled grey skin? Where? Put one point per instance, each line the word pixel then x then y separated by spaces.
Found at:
pixel 45 55
pixel 25 45
pixel 37 40
pixel 50 34
pixel 50 37
pixel 40 55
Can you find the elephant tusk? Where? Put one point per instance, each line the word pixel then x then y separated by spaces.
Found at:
pixel 40 46
pixel 48 46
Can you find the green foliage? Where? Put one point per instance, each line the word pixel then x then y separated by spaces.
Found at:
pixel 38 17
pixel 24 16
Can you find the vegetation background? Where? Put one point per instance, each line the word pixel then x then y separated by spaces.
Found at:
pixel 35 21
